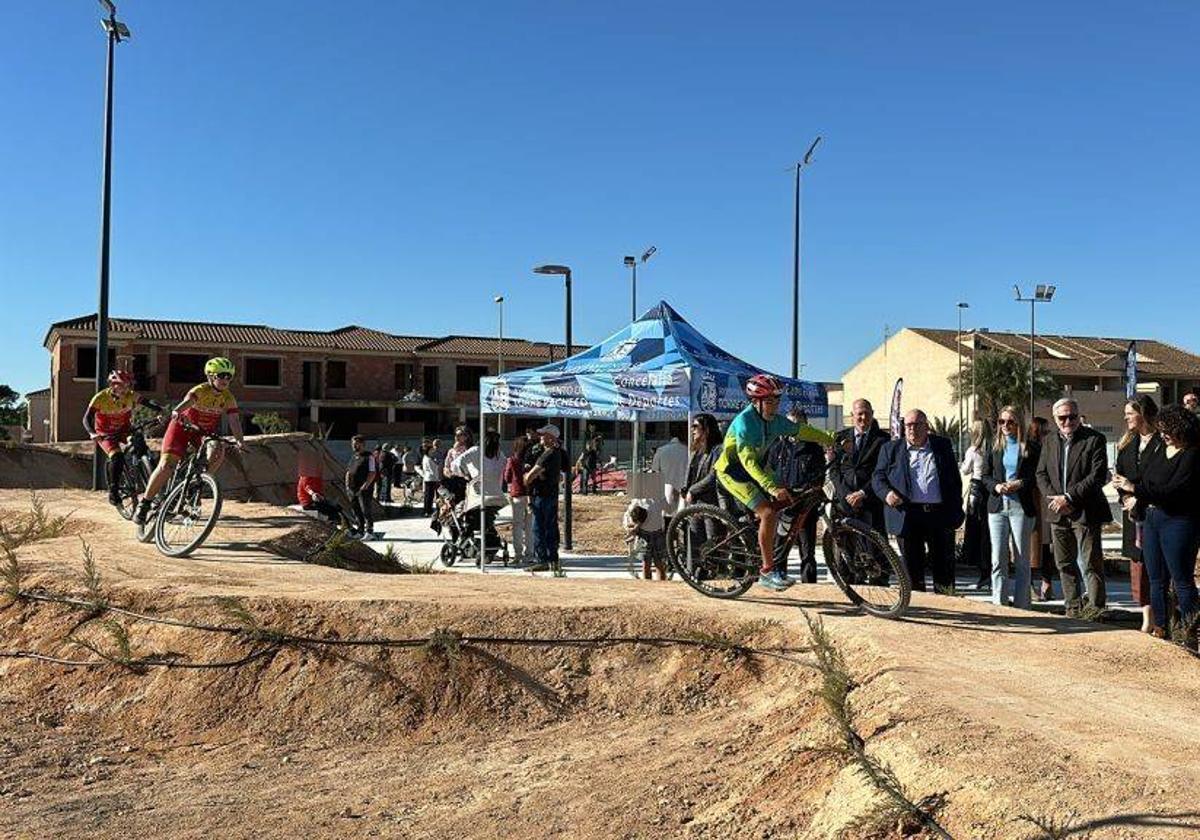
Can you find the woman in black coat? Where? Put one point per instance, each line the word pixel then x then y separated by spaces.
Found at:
pixel 706 447
pixel 1140 442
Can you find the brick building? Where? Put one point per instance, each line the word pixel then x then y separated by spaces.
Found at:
pixel 1089 368
pixel 341 382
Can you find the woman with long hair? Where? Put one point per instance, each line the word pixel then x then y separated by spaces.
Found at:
pixel 518 494
pixel 1140 441
pixel 705 449
pixel 975 536
pixel 1041 557
pixel 1167 488
pixel 1009 476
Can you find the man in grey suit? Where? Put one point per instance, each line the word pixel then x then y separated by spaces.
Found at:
pixel 1071 474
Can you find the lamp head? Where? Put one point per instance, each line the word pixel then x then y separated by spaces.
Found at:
pixel 499 298
pixel 649 253
pixel 552 269
pixel 630 262
pixel 962 305
pixel 1016 291
pixel 1050 292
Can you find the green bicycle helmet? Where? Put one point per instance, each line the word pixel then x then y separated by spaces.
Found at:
pixel 219 365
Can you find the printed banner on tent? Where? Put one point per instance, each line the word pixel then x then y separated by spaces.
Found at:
pixel 657 368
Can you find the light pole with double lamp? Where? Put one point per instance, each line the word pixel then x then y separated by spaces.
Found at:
pixel 565 271
pixel 117 32
pixel 631 263
pixel 499 299
pixel 961 307
pixel 1041 294
pixel 805 161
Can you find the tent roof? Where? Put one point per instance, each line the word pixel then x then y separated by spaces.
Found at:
pixel 658 367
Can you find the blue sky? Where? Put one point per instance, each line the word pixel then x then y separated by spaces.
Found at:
pixel 397 164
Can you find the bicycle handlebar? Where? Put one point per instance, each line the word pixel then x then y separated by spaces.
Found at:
pixel 205 435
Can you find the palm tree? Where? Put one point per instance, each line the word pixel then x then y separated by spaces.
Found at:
pixel 1000 379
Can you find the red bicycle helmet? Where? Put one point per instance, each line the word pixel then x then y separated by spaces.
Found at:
pixel 122 376
pixel 763 385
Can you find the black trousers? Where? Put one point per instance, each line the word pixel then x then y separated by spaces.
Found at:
pixel 360 503
pixel 327 509
pixel 927 540
pixel 115 470
pixel 430 491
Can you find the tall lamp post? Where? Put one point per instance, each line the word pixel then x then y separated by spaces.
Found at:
pixel 958 343
pixel 631 263
pixel 1041 294
pixel 499 299
pixel 565 271
pixel 117 32
pixel 805 161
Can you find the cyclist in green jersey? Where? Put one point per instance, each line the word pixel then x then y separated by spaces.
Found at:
pixel 741 468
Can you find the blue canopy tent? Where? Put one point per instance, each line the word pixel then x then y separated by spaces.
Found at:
pixel 657 368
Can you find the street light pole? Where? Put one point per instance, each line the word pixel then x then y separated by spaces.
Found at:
pixel 565 271
pixel 807 159
pixel 116 32
pixel 631 263
pixel 1041 294
pixel 500 342
pixel 961 307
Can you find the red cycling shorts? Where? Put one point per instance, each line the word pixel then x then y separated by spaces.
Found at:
pixel 177 440
pixel 112 446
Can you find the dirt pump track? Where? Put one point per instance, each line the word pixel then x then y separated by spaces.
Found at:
pixel 1004 712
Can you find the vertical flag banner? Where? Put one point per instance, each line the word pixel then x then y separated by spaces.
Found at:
pixel 897 419
pixel 1131 371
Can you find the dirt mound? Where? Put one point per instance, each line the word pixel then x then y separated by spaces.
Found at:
pixel 997 713
pixel 31 467
pixel 320 543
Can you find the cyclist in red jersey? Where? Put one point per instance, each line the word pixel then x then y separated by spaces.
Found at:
pixel 203 407
pixel 108 421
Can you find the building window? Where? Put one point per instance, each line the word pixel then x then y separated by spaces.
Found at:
pixel 85 361
pixel 185 368
pixel 142 380
pixel 430 390
pixel 406 378
pixel 468 377
pixel 262 373
pixel 335 374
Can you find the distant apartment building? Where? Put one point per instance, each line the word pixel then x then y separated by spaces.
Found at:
pixel 1089 368
pixel 338 383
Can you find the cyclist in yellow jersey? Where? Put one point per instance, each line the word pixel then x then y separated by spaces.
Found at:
pixel 203 407
pixel 109 420
pixel 742 469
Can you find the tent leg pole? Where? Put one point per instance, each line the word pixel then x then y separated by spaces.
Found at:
pixel 633 458
pixel 482 498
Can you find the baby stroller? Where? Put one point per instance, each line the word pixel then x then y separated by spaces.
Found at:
pixel 459 527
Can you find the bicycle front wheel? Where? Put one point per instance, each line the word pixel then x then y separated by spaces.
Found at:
pixel 714 553
pixel 867 569
pixel 187 516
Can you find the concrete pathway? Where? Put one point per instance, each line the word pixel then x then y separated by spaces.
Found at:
pixel 412 539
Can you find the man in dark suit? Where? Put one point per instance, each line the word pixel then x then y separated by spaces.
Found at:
pixel 918 480
pixel 1072 471
pixel 854 466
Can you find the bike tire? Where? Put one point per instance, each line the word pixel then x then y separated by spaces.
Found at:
pixel 725 576
pixel 882 601
pixel 449 554
pixel 166 544
pixel 134 479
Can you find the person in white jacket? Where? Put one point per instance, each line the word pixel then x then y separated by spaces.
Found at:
pixel 468 466
pixel 671 462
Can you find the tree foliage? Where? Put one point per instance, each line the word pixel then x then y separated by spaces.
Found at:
pixel 1000 379
pixel 12 409
pixel 270 423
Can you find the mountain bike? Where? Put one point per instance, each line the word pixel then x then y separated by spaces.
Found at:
pixel 716 552
pixel 187 510
pixel 139 463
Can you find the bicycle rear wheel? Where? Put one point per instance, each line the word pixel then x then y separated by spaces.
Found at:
pixel 187 516
pixel 714 553
pixel 867 569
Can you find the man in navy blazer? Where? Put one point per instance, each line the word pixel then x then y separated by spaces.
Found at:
pixel 918 479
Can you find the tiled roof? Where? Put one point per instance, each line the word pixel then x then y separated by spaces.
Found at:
pixel 43 392
pixel 1076 354
pixel 352 337
pixel 471 345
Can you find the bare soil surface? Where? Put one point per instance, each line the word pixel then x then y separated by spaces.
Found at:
pixel 1003 713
